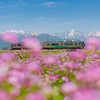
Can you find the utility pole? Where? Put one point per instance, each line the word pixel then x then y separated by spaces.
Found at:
pixel 33 34
pixel 48 38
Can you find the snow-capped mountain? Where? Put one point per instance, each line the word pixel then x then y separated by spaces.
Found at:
pixel 71 35
pixel 68 35
pixel 76 35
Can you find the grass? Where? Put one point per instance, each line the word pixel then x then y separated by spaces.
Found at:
pixel 1 51
pixel 58 51
pixel 53 51
pixel 89 51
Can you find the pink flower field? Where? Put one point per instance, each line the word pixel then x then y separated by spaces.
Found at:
pixel 33 75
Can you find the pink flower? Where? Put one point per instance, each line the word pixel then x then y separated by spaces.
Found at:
pixel 61 67
pixel 70 65
pixel 9 37
pixel 86 94
pixel 49 60
pixel 93 43
pixel 80 77
pixel 16 78
pixel 34 96
pixel 90 47
pixel 15 92
pixel 67 98
pixel 53 78
pixel 47 90
pixel 78 55
pixel 33 67
pixel 68 87
pixel 91 75
pixel 65 78
pixel 33 44
pixel 58 75
pixel 18 67
pixel 7 56
pixel 4 95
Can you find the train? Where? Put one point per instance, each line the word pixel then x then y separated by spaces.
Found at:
pixel 49 45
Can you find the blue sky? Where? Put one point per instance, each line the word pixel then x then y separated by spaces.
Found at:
pixel 50 16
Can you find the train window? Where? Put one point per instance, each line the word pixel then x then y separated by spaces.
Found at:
pixel 66 43
pixel 14 45
pixel 82 43
pixel 75 43
pixel 48 44
pixel 61 43
pixel 19 45
pixel 54 44
pixel 70 43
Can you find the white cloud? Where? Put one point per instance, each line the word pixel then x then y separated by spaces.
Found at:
pixel 49 4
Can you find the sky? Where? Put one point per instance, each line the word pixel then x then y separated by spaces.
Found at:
pixel 50 16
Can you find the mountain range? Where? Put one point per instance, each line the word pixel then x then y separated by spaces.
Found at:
pixel 68 35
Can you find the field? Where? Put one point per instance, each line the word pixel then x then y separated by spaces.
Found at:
pixel 50 75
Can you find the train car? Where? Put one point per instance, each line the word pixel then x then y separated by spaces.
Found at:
pixel 63 45
pixel 53 45
pixel 17 46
